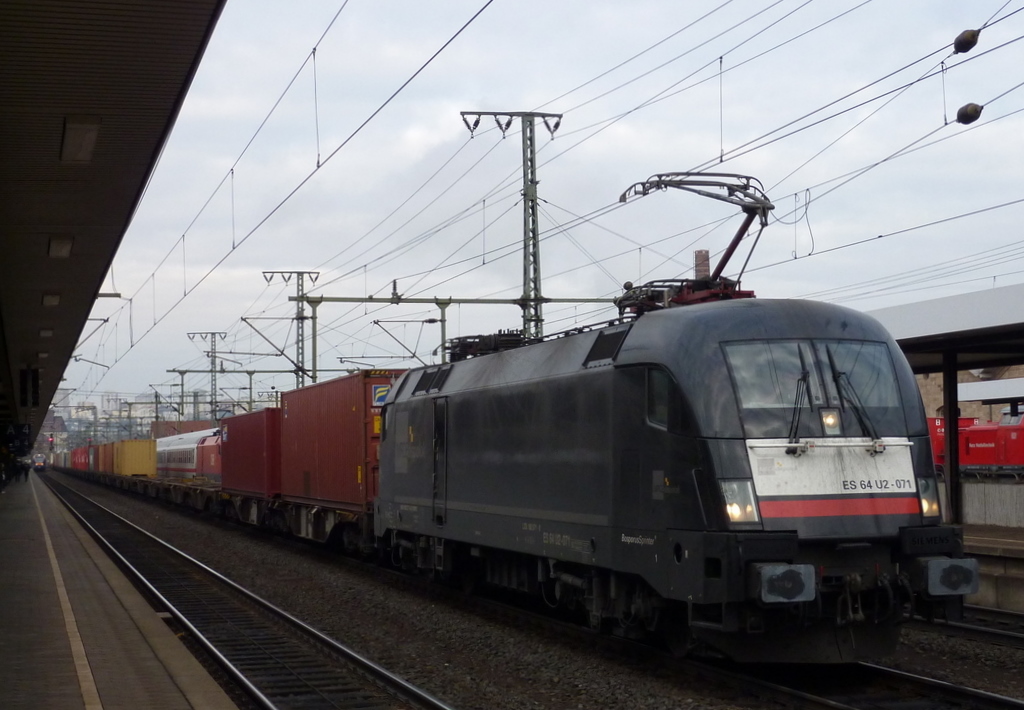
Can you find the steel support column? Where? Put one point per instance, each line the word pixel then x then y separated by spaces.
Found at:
pixel 951 414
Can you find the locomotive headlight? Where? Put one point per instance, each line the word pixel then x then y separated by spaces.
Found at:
pixel 928 492
pixel 831 422
pixel 740 504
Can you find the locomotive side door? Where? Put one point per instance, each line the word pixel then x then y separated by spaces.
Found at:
pixel 440 487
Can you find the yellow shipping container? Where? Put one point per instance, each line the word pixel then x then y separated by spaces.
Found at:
pixel 135 457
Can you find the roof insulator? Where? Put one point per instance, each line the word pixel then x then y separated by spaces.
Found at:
pixel 965 41
pixel 968 113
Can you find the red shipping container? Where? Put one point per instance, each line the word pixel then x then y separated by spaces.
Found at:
pixel 251 453
pixel 105 458
pixel 330 434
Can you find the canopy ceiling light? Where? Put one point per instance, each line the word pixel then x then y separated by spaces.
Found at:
pixel 51 299
pixel 80 136
pixel 46 332
pixel 60 247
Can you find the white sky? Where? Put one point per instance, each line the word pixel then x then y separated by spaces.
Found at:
pixel 411 197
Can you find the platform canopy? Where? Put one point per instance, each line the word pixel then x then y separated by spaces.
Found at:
pixel 89 91
pixel 980 329
pixel 973 331
pixel 992 391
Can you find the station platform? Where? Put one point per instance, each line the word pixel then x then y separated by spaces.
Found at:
pixel 74 632
pixel 993 541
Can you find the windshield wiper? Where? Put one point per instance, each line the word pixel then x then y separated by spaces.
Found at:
pixel 848 393
pixel 801 394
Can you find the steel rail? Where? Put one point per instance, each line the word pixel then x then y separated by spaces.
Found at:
pixel 981 624
pixel 388 682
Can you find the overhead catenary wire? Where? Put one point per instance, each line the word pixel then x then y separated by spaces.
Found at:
pixel 331 155
pixel 412 246
pixel 748 39
pixel 927 274
pixel 888 235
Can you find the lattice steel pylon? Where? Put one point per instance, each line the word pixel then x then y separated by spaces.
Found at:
pixel 300 316
pixel 532 299
pixel 212 354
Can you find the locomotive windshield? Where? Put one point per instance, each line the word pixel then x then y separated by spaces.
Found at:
pixel 773 378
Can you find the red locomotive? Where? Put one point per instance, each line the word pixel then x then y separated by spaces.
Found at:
pixel 990 447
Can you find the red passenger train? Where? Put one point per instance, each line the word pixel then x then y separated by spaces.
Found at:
pixel 187 456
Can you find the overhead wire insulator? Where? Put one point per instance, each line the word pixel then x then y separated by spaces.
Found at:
pixel 552 127
pixel 471 126
pixel 503 126
pixel 965 41
pixel 968 113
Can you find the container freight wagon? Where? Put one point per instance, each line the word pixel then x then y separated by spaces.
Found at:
pixel 330 435
pixel 251 476
pixel 135 457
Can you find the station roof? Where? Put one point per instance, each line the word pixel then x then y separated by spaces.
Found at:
pixel 992 391
pixel 90 91
pixel 984 329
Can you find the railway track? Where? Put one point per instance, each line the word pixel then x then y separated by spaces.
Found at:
pixel 994 626
pixel 280 662
pixel 851 687
pixel 865 686
pixel 861 686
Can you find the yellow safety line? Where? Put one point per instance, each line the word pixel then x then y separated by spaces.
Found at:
pixel 90 696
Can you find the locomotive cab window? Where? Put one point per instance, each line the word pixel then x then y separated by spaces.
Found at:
pixel 1007 418
pixel 664 408
pixel 813 388
pixel 774 374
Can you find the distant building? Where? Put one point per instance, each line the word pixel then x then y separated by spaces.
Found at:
pixel 931 391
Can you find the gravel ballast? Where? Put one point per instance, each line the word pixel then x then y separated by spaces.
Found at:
pixel 474 662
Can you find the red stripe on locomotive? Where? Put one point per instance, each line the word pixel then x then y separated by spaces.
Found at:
pixel 823 507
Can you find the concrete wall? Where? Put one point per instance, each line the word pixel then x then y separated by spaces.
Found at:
pixel 994 502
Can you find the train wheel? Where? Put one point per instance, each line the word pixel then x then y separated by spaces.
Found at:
pixel 672 628
pixel 350 539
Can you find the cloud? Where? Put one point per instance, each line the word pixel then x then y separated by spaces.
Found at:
pixel 412 199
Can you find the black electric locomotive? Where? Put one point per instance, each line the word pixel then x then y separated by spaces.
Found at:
pixel 749 476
